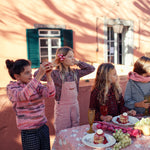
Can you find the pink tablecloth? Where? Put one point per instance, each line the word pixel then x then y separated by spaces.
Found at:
pixel 71 139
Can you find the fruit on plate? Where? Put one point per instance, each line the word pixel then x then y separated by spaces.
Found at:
pixel 123 139
pixel 143 125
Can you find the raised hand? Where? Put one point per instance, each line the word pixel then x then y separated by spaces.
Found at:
pixel 45 67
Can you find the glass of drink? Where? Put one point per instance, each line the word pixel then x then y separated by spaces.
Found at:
pixel 104 110
pixel 91 117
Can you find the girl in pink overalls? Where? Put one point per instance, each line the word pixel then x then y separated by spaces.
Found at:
pixel 66 80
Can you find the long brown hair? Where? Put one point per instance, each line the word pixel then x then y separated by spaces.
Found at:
pixel 102 82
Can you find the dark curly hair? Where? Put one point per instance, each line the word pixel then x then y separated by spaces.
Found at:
pixel 16 67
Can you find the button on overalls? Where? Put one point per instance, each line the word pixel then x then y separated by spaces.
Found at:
pixel 66 113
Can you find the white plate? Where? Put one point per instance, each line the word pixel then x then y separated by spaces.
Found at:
pixel 132 120
pixel 89 141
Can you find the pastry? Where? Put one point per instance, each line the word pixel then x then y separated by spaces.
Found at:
pixel 99 137
pixel 124 118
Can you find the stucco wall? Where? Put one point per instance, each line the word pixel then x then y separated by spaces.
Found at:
pixel 17 15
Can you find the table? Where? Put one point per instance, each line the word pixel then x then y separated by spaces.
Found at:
pixel 71 139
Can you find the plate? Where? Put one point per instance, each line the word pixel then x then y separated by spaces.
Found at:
pixel 89 138
pixel 132 120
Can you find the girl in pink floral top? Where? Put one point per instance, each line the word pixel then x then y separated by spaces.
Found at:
pixel 27 96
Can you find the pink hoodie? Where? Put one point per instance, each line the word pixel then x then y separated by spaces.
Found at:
pixel 136 77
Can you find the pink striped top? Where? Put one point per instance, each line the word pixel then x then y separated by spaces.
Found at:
pixel 29 102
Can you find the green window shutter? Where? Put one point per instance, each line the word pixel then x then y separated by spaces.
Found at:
pixel 67 38
pixel 33 47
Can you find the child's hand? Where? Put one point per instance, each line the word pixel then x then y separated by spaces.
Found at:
pixel 48 67
pixel 41 72
pixel 45 67
pixel 144 104
pixel 107 118
pixel 132 112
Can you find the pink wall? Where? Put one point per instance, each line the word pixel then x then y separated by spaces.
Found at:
pixel 80 16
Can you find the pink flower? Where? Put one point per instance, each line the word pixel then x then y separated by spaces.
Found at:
pixel 61 57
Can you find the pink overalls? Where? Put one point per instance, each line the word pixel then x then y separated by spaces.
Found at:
pixel 66 113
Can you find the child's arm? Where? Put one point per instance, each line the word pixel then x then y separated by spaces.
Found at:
pixel 23 93
pixel 84 68
pixel 129 101
pixel 49 90
pixel 19 93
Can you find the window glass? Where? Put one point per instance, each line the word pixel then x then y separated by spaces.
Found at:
pixel 48 47
pixel 110 45
pixel 44 51
pixel 55 32
pixel 54 51
pixel 43 42
pixel 43 32
pixel 44 59
pixel 54 42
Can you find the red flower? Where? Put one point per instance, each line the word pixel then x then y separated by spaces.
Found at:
pixel 61 57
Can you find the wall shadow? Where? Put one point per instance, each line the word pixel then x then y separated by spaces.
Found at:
pixel 9 134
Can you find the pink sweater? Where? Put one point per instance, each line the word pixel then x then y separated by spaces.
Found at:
pixel 28 102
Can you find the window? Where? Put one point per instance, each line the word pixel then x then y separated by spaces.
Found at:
pixel 118 47
pixel 112 40
pixel 43 43
pixel 52 33
pixel 110 45
pixel 48 47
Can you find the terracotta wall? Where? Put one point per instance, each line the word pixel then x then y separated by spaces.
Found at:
pixel 17 15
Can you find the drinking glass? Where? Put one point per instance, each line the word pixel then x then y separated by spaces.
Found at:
pixel 148 101
pixel 104 110
pixel 91 117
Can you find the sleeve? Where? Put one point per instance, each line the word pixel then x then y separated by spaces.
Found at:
pixel 129 102
pixel 48 90
pixel 84 69
pixel 94 103
pixel 121 105
pixel 43 78
pixel 18 93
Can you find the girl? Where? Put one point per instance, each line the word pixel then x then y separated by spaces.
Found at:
pixel 66 80
pixel 106 92
pixel 27 96
pixel 138 86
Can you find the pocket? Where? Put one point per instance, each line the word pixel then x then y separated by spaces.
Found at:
pixel 70 87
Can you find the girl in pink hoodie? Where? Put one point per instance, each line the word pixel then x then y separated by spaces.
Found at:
pixel 138 86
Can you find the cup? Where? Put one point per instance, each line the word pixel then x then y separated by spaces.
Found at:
pixel 147 98
pixel 104 110
pixel 91 117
